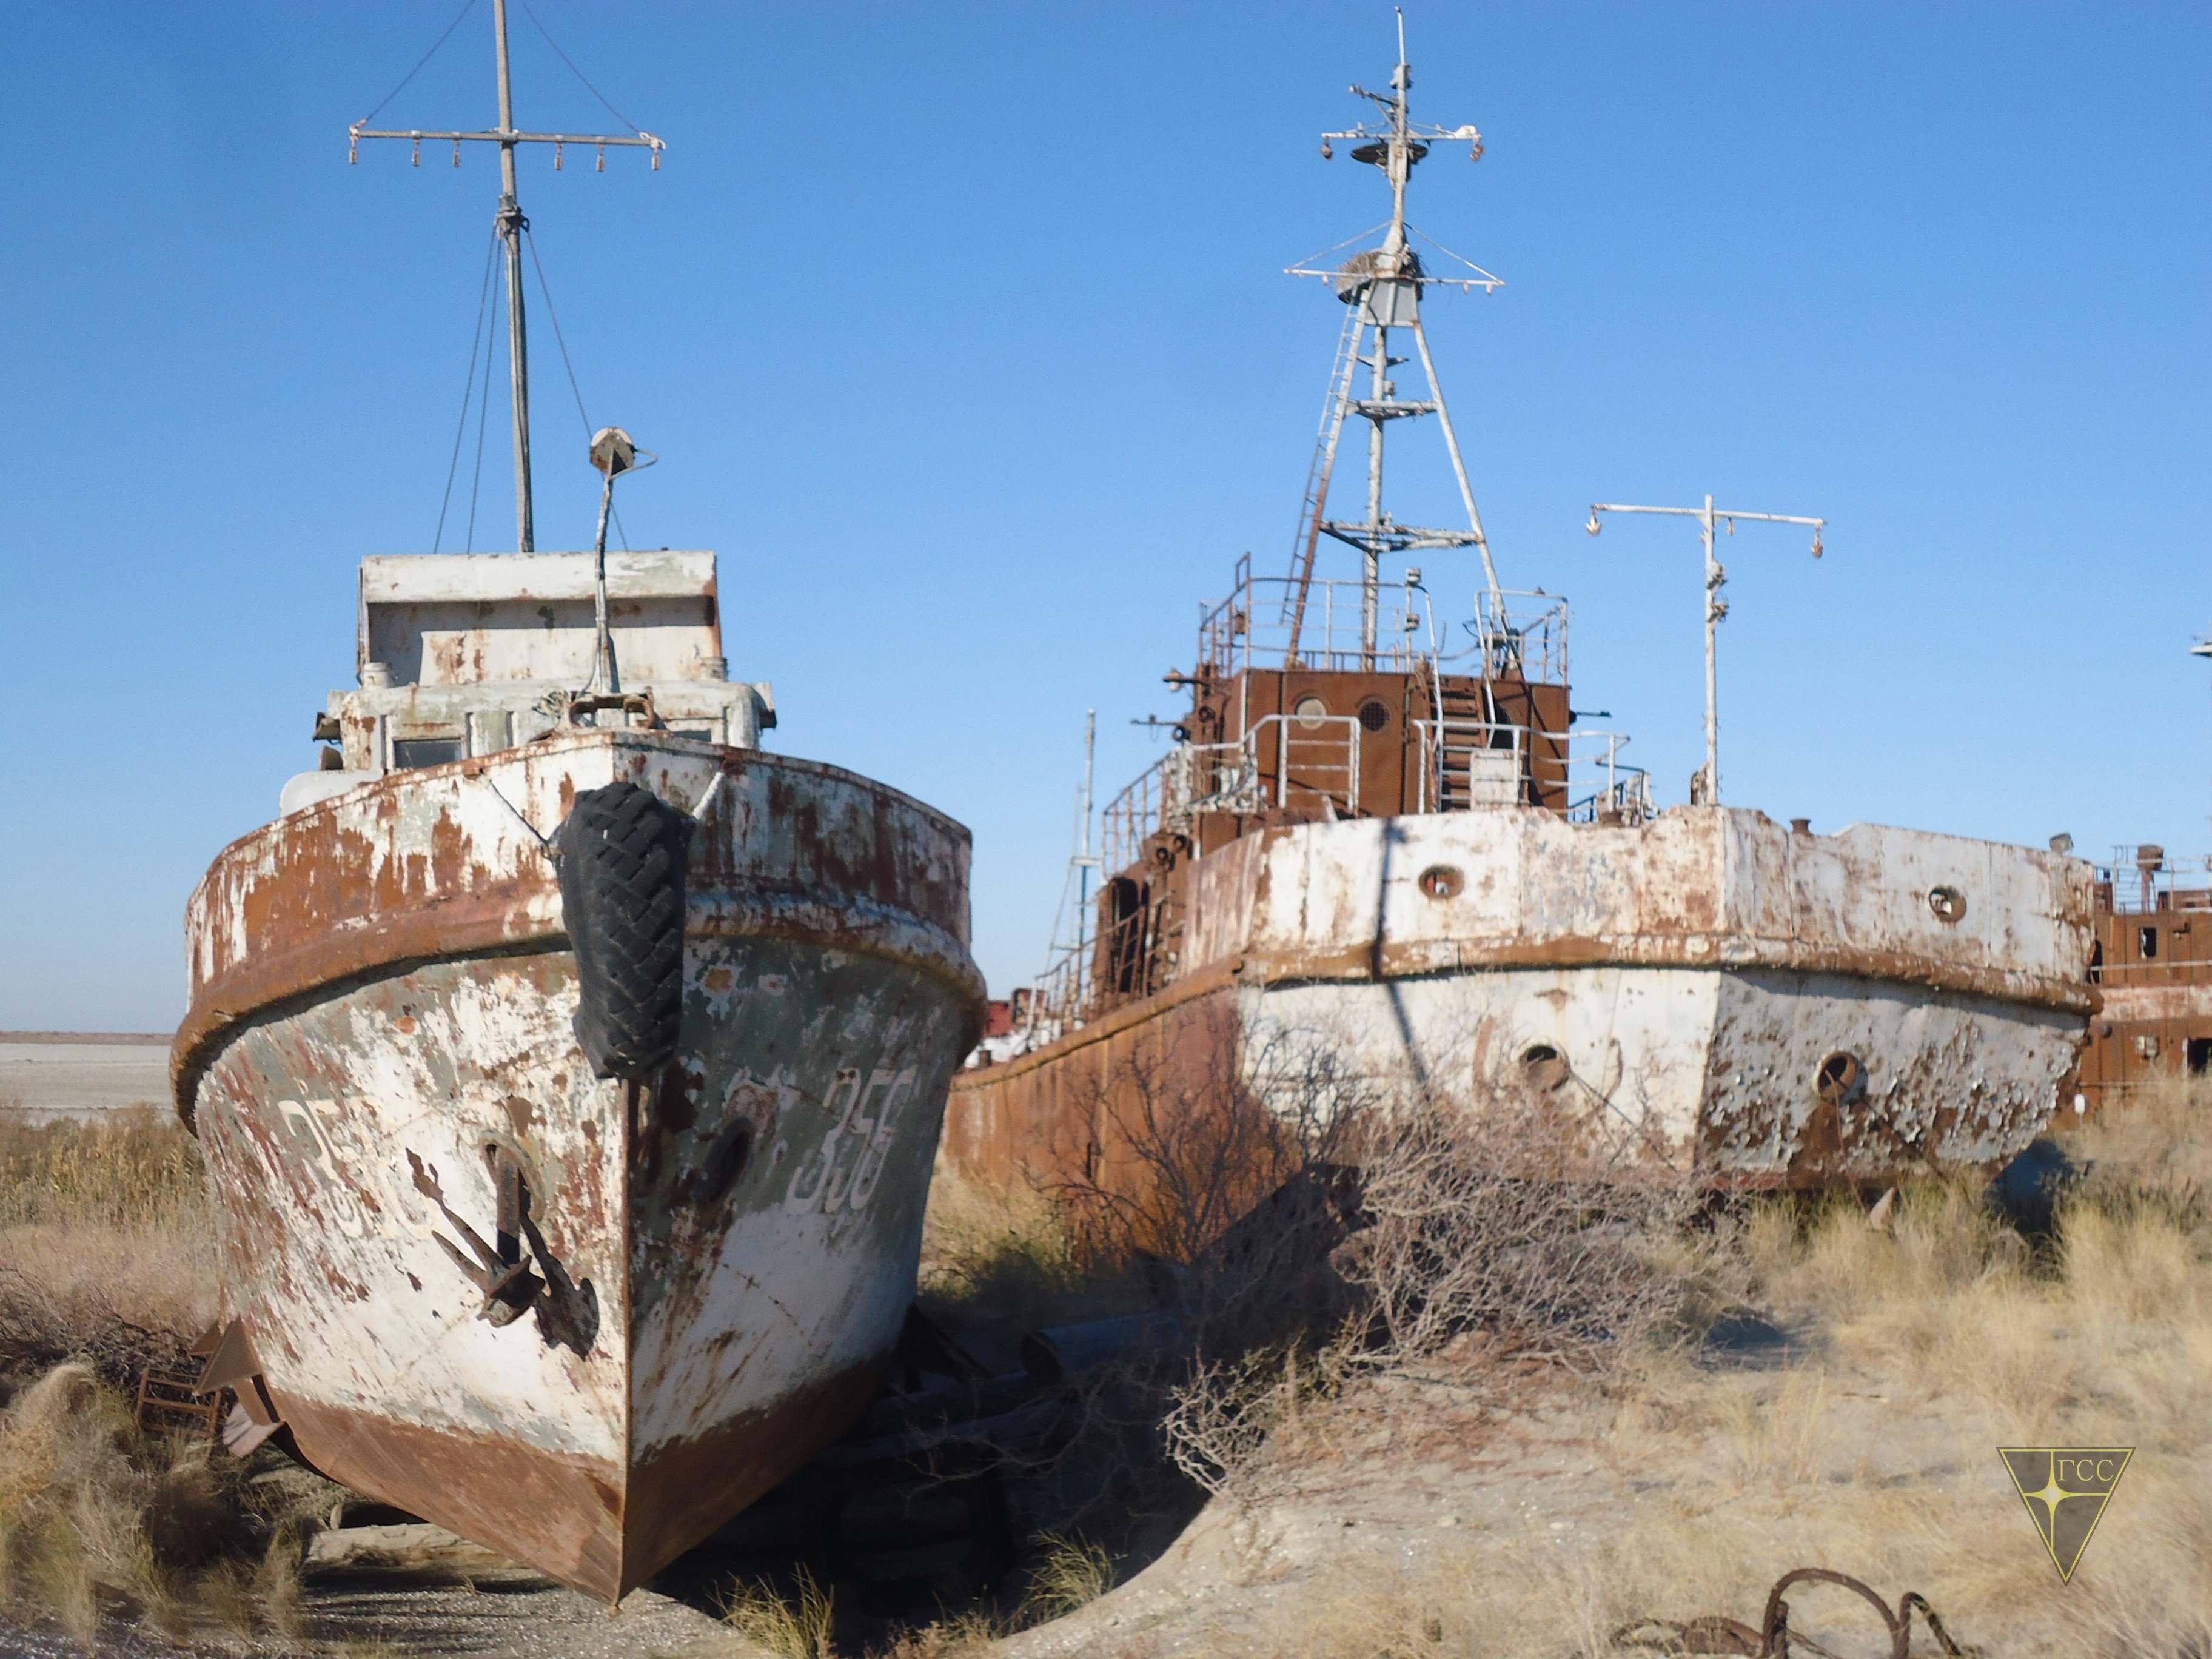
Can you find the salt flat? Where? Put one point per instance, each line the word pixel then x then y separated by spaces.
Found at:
pixel 49 1074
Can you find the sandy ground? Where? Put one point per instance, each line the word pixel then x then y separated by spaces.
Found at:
pixel 65 1074
pixel 1554 1499
pixel 1533 1510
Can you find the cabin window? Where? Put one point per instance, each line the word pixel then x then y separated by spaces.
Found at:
pixel 1374 714
pixel 2199 1053
pixel 2097 963
pixel 410 752
pixel 2146 1047
pixel 1310 712
pixel 2147 943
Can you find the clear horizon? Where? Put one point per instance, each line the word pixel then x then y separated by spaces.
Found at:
pixel 962 337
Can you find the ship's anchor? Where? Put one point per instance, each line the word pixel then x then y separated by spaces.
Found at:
pixel 502 1273
pixel 517 1274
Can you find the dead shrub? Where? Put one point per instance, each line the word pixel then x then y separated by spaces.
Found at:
pixel 1195 1129
pixel 42 1325
pixel 1465 1243
pixel 1485 1231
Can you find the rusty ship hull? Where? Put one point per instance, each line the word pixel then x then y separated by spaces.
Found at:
pixel 1385 854
pixel 1705 991
pixel 382 993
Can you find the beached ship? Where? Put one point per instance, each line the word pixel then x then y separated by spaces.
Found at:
pixel 2151 962
pixel 1385 851
pixel 568 1068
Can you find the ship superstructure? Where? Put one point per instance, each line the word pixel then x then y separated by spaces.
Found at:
pixel 1383 831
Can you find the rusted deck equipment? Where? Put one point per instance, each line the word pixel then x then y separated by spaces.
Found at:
pixel 2153 962
pixel 1384 851
pixel 578 1288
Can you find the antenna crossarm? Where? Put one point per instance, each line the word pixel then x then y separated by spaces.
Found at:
pixel 1482 279
pixel 1422 129
pixel 1396 538
pixel 496 136
pixel 1718 512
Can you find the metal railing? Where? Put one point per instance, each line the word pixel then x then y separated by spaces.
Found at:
pixel 1512 633
pixel 1471 762
pixel 1315 756
pixel 1519 634
pixel 2144 880
pixel 1461 763
pixel 1254 627
pixel 1059 997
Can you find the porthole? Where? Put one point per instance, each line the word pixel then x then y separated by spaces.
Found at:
pixel 1948 904
pixel 1442 881
pixel 1543 1067
pixel 1840 1079
pixel 1310 712
pixel 1374 714
pixel 726 1159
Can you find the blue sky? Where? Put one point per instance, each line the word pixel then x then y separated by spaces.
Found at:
pixel 961 333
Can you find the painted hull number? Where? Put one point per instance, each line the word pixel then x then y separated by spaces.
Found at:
pixel 842 1173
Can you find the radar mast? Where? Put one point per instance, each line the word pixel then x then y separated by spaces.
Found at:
pixel 1382 286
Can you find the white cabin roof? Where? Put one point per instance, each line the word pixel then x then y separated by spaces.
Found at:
pixel 469 619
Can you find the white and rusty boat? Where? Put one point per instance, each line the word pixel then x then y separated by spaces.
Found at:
pixel 1389 843
pixel 577 1287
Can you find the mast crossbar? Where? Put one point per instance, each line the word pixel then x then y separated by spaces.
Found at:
pixel 642 141
pixel 510 224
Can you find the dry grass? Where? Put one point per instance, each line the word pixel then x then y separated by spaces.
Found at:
pixel 106 1244
pixel 97 1520
pixel 1072 1574
pixel 1012 1254
pixel 802 1626
pixel 106 1265
pixel 130 1170
pixel 1872 1449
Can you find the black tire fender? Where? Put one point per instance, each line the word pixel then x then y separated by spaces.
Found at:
pixel 621 852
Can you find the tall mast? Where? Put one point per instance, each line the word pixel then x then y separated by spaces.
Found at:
pixel 510 225
pixel 1383 288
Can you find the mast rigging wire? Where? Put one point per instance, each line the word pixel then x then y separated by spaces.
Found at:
pixel 476 341
pixel 574 70
pixel 469 6
pixel 546 288
pixel 476 483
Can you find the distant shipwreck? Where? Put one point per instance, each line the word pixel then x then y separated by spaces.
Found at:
pixel 1388 836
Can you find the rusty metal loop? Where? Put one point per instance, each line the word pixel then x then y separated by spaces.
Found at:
pixel 1775 1623
pixel 1711 1634
pixel 1915 1600
pixel 1715 1634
